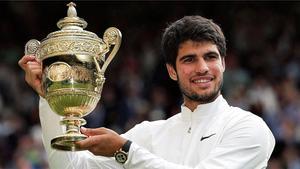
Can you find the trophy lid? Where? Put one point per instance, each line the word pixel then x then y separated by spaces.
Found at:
pixel 71 39
pixel 71 21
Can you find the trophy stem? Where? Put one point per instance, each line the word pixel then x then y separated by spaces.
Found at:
pixel 73 124
pixel 67 141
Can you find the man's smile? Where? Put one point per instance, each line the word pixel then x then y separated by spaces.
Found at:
pixel 202 81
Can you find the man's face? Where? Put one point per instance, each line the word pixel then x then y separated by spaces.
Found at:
pixel 199 72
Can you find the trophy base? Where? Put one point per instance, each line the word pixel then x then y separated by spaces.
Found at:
pixel 67 142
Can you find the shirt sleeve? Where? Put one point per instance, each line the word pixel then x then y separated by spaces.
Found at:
pixel 246 144
pixel 67 159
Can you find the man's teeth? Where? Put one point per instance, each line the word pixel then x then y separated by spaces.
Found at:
pixel 201 81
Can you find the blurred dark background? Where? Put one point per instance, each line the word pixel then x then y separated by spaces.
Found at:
pixel 262 68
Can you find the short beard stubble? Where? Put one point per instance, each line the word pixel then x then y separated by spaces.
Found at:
pixel 202 99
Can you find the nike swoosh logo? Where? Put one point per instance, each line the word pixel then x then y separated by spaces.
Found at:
pixel 205 137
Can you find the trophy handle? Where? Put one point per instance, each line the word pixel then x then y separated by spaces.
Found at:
pixel 31 47
pixel 112 36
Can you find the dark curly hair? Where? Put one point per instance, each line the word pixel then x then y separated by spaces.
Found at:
pixel 195 28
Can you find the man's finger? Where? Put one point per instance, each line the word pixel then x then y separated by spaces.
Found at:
pixel 87 143
pixel 37 73
pixel 32 67
pixel 23 61
pixel 92 132
pixel 34 63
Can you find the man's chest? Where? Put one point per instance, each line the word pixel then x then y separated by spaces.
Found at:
pixel 186 144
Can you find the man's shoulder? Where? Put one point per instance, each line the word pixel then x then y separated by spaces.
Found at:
pixel 239 113
pixel 245 119
pixel 246 129
pixel 155 123
pixel 160 123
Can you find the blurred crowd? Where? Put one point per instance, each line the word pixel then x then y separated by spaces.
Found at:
pixel 262 69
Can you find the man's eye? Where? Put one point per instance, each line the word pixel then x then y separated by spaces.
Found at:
pixel 188 59
pixel 208 57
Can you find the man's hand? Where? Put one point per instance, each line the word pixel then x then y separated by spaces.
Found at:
pixel 101 141
pixel 33 72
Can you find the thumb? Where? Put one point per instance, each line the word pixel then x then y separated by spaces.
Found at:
pixel 93 132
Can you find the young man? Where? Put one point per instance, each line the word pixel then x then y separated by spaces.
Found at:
pixel 206 134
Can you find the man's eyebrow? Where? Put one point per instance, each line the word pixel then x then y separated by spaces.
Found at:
pixel 194 55
pixel 211 53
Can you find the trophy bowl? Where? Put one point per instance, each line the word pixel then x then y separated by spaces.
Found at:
pixel 73 64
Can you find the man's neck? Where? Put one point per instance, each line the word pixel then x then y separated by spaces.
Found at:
pixel 193 104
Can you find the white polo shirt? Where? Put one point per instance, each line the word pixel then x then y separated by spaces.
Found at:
pixel 213 136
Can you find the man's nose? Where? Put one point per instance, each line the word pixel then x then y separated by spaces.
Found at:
pixel 201 66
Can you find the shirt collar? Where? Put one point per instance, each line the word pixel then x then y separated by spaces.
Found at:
pixel 204 110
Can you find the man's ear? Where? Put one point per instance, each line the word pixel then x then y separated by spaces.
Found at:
pixel 172 72
pixel 223 63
